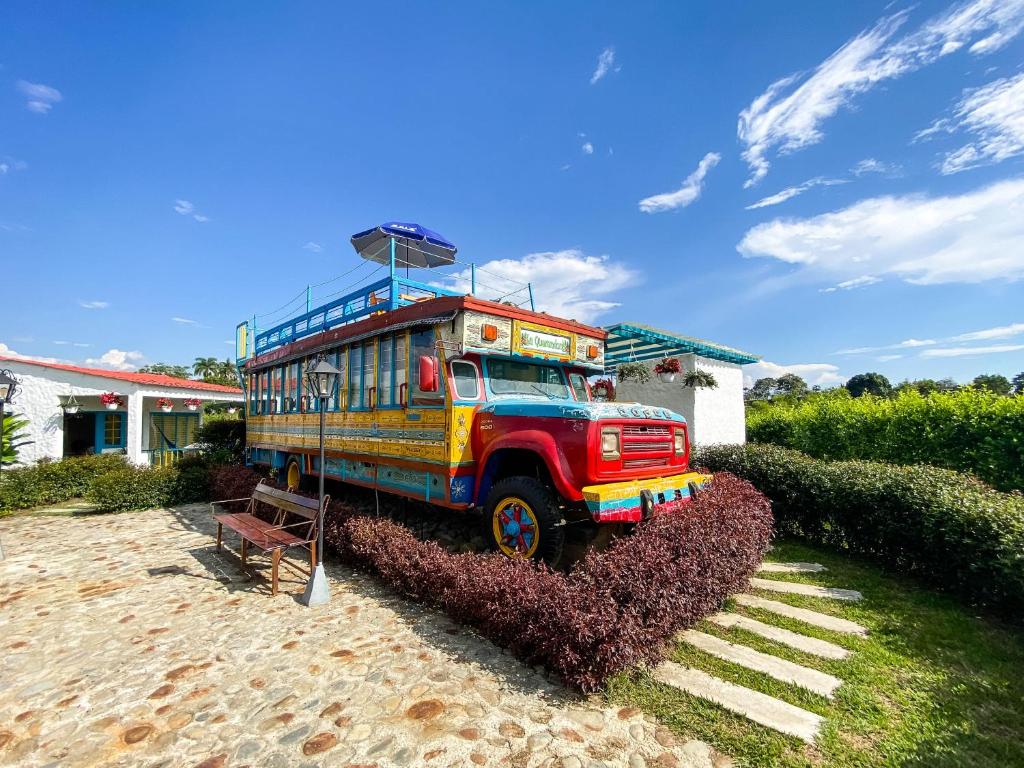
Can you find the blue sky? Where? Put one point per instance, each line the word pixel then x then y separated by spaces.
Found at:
pixel 834 187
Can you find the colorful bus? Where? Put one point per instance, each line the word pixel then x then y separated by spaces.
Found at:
pixel 464 403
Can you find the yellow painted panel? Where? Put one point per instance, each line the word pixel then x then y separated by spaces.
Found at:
pixel 629 489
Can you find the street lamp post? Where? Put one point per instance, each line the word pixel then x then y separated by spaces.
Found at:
pixel 8 386
pixel 321 380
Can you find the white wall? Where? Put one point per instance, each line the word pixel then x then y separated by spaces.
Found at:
pixel 40 391
pixel 713 415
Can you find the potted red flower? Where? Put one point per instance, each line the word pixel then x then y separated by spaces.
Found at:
pixel 193 403
pixel 667 369
pixel 165 404
pixel 111 401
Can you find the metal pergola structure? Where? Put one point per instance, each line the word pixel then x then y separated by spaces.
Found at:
pixel 633 342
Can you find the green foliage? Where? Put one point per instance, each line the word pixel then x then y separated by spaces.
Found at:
pixel 928 386
pixel 223 440
pixel 700 380
pixel 868 384
pixel 970 430
pixel 637 372
pixel 993 382
pixel 166 369
pixel 943 526
pixel 53 482
pixel 12 437
pixel 131 487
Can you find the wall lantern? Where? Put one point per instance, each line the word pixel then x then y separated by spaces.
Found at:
pixel 70 405
pixel 489 332
pixel 8 387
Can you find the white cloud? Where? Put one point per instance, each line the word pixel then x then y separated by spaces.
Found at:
pixel 41 98
pixel 71 344
pixel 312 247
pixel 588 148
pixel 849 285
pixel 686 194
pixel 93 304
pixel 605 62
pixel 971 351
pixel 567 283
pixel 117 360
pixel 791 192
pixel 820 374
pixel 968 238
pixel 911 343
pixel 887 358
pixel 994 113
pixel 871 165
pixel 789 115
pixel 184 321
pixel 565 167
pixel 187 208
pixel 1000 332
pixel 6 351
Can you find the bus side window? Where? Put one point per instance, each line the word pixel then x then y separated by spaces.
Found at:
pixel 422 343
pixel 253 393
pixel 579 387
pixel 368 373
pixel 465 380
pixel 401 361
pixel 355 367
pixel 384 377
pixel 341 363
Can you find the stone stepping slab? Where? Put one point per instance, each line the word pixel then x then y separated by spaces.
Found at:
pixel 822 620
pixel 792 568
pixel 754 705
pixel 781 669
pixel 795 640
pixel 810 590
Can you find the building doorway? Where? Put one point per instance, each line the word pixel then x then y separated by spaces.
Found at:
pixel 79 434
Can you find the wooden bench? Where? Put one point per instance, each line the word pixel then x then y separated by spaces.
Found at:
pixel 277 536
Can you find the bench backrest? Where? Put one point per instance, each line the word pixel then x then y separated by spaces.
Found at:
pixel 287 501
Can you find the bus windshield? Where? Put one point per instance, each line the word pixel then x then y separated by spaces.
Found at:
pixel 509 377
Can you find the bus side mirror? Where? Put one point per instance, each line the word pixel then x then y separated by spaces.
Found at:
pixel 428 374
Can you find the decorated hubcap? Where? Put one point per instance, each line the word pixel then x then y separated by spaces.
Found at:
pixel 515 528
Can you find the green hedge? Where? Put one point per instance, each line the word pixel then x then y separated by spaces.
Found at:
pixel 108 481
pixel 945 526
pixel 132 487
pixel 53 482
pixel 969 429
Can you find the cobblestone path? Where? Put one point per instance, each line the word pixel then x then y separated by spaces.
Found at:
pixel 126 640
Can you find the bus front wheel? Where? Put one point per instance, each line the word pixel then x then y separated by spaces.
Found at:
pixel 522 519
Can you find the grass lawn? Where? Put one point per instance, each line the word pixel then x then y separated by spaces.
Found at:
pixel 932 685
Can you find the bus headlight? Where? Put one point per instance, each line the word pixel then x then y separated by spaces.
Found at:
pixel 610 443
pixel 679 441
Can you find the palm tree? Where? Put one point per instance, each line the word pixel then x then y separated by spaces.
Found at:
pixel 204 366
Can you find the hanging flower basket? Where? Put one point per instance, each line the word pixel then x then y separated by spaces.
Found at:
pixel 165 404
pixel 667 369
pixel 111 401
pixel 193 403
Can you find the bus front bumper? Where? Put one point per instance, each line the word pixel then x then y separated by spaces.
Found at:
pixel 631 501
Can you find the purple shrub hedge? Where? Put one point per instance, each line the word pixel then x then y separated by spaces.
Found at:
pixel 613 610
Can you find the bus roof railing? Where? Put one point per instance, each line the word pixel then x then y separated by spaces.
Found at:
pixel 384 295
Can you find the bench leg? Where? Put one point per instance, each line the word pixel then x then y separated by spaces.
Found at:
pixel 275 558
pixel 245 550
pixel 220 533
pixel 312 557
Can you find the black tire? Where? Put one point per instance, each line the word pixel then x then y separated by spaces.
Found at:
pixel 550 525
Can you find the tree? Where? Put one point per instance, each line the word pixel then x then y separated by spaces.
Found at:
pixel 205 366
pixel 166 369
pixel 993 382
pixel 1018 384
pixel 791 384
pixel 869 383
pixel 763 389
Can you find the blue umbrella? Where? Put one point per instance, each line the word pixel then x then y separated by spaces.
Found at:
pixel 415 246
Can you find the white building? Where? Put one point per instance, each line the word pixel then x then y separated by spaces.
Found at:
pixel 713 415
pixel 135 424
